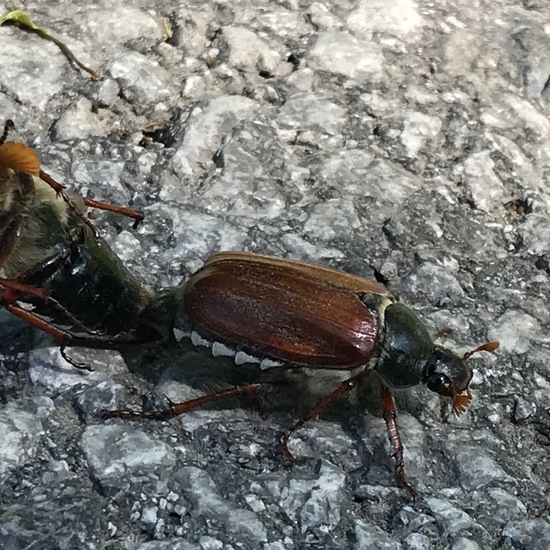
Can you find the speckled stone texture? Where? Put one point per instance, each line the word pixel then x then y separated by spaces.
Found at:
pixel 407 138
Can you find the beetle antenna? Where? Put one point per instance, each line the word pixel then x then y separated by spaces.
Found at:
pixel 8 127
pixel 461 399
pixel 488 346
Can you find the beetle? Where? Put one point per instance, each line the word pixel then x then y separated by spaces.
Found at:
pixel 276 319
pixel 285 319
pixel 56 272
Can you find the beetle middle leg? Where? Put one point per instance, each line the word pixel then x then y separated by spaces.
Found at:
pixel 344 387
pixel 390 416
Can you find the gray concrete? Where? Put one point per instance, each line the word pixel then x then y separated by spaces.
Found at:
pixel 408 138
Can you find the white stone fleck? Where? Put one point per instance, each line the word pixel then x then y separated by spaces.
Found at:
pixel 143 80
pixel 114 450
pixel 342 53
pixel 323 19
pixel 524 111
pixel 206 497
pixel 450 518
pixel 114 26
pixel 458 60
pixel 515 330
pixel 149 515
pixel 310 112
pixel 127 246
pixel 535 234
pixel 315 501
pixel 370 535
pixel 248 52
pixel 20 432
pixel 477 468
pixel 94 171
pixel 49 369
pixel 485 187
pixel 79 122
pixel 34 79
pixel 399 18
pixel 418 128
pixel 194 234
pixel 205 130
pixel 332 218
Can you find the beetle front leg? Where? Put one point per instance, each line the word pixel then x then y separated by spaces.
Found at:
pixel 390 416
pixel 345 387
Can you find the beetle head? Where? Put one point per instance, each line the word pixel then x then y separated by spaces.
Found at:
pixel 408 357
pixel 446 373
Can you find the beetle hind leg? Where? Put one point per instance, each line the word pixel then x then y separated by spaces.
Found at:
pixel 136 215
pixel 175 409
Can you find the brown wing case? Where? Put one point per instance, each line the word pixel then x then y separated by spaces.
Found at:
pixel 284 310
pixel 339 278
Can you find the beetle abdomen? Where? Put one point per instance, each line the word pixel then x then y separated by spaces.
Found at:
pixel 282 312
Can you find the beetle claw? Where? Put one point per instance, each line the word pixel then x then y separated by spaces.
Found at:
pixel 73 362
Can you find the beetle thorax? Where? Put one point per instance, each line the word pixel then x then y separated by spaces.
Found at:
pixel 406 346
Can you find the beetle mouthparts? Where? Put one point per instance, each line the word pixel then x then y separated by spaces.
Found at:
pixel 461 402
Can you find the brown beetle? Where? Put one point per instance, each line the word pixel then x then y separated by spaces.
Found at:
pixel 56 272
pixel 294 320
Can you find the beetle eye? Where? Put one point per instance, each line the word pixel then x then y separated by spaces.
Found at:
pixel 440 383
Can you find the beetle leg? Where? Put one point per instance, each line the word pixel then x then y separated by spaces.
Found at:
pixel 8 127
pixel 33 319
pixel 346 386
pixel 133 213
pixel 390 415
pixel 18 288
pixel 60 190
pixel 443 331
pixel 176 409
pixel 61 337
pixel 70 360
